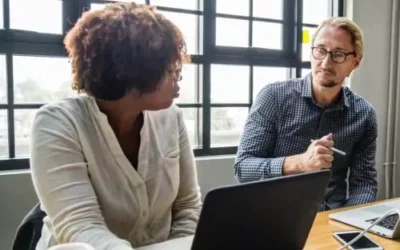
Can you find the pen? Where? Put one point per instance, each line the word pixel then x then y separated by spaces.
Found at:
pixel 335 150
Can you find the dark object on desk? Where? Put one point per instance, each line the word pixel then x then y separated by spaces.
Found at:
pixel 363 217
pixel 271 214
pixel 30 230
pixel 389 222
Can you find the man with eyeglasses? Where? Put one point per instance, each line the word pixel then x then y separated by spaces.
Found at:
pixel 288 115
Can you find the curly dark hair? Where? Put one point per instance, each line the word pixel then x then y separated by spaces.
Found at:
pixel 122 47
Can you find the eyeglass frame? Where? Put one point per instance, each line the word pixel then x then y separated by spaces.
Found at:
pixel 346 54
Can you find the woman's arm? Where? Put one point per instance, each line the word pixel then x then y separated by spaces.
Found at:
pixel 61 180
pixel 187 205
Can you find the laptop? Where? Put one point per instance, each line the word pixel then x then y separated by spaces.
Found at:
pixel 363 217
pixel 275 213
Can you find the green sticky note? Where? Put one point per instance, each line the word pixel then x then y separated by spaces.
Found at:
pixel 306 36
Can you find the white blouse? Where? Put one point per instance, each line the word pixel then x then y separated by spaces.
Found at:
pixel 91 192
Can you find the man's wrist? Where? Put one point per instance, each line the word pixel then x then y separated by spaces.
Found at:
pixel 292 165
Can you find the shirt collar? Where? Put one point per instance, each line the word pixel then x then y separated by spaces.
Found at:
pixel 306 91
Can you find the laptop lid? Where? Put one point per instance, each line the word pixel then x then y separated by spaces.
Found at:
pixel 275 213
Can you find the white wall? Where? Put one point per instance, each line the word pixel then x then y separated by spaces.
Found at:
pixel 370 79
pixel 18 196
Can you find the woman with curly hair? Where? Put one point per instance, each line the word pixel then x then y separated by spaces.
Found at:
pixel 113 168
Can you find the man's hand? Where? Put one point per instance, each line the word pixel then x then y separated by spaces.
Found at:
pixel 318 156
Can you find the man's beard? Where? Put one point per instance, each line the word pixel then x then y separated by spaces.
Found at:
pixel 330 84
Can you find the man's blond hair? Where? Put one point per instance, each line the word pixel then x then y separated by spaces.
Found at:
pixel 357 37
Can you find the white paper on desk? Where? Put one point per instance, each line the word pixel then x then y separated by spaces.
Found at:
pixel 183 243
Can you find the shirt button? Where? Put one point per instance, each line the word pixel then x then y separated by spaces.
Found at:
pixel 144 214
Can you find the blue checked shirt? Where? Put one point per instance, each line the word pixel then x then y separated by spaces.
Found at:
pixel 283 120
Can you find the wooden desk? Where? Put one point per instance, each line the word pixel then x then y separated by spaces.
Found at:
pixel 321 234
pixel 320 237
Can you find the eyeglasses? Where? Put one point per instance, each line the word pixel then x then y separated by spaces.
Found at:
pixel 177 73
pixel 336 56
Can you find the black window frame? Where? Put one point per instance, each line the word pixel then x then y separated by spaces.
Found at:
pixel 21 42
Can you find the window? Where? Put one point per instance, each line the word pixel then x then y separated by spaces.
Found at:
pixel 3 80
pixel 272 9
pixel 187 15
pixel 189 91
pixel 227 126
pixel 41 79
pixel 232 78
pixel 187 4
pixel 191 95
pixel 3 113
pixel 314 12
pixel 263 32
pixel 23 119
pixel 223 32
pixel 267 25
pixel 187 23
pixel 99 6
pixel 263 76
pixel 193 120
pixel 307 34
pixel 304 72
pixel 237 49
pixel 1 15
pixel 3 134
pixel 35 15
pixel 240 7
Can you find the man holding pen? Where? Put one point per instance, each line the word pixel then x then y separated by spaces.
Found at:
pixel 340 124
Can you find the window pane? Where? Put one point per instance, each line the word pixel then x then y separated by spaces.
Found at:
pixel 227 126
pixel 266 75
pixel 3 80
pixel 3 134
pixel 99 6
pixel 239 7
pixel 187 23
pixel 315 11
pixel 306 43
pixel 267 35
pixel 193 123
pixel 268 9
pixel 232 79
pixel 136 1
pixel 41 16
pixel 189 91
pixel 41 79
pixel 226 37
pixel 23 119
pixel 186 4
pixel 1 14
pixel 304 72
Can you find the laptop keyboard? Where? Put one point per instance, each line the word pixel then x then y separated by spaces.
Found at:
pixel 389 222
